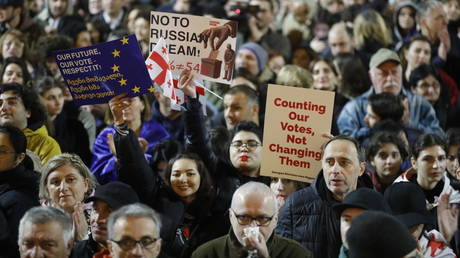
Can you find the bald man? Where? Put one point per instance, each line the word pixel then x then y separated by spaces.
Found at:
pixel 253 215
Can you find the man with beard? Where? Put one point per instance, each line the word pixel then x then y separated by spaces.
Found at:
pixel 106 199
pixel 385 71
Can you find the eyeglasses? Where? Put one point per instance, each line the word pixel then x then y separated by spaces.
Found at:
pixel 128 244
pixel 245 220
pixel 426 86
pixel 251 144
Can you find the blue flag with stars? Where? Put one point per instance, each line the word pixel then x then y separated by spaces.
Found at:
pixel 97 73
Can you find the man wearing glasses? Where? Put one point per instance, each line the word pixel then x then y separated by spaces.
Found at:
pixel 134 231
pixel 253 215
pixel 105 200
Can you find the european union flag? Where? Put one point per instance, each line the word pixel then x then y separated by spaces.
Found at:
pixel 97 73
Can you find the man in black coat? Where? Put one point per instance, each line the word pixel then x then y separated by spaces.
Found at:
pixel 307 216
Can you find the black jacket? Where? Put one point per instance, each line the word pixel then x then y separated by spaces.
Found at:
pixel 18 193
pixel 203 221
pixel 85 248
pixel 226 177
pixel 308 218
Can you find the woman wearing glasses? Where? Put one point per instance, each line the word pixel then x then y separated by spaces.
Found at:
pixel 185 199
pixel 425 81
pixel 18 184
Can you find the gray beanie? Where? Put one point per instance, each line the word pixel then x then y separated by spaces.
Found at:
pixel 259 52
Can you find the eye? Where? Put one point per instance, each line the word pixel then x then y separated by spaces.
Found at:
pixel 190 174
pixel 55 182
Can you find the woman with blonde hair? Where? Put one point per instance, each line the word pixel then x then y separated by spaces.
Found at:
pixel 65 182
pixel 296 76
pixel 371 33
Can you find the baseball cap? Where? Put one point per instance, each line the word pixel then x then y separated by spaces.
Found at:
pixel 115 194
pixel 383 55
pixel 364 198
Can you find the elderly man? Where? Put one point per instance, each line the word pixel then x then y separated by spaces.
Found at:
pixel 386 76
pixel 307 216
pixel 45 232
pixel 106 199
pixel 253 215
pixel 134 231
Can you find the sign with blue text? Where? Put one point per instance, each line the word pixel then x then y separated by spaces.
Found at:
pixel 97 73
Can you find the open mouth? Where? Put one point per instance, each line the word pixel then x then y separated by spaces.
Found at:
pixel 244 158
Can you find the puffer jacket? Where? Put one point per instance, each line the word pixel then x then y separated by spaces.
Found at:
pixel 308 218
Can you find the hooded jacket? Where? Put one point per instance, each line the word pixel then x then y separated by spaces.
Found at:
pixel 399 38
pixel 39 142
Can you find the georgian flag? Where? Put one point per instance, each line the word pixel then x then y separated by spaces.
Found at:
pixel 158 67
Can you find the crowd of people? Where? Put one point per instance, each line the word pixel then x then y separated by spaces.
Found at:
pixel 136 178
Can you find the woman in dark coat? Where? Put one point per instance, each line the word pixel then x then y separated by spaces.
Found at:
pixel 18 187
pixel 185 199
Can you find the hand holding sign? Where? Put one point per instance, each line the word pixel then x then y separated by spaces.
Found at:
pixel 117 104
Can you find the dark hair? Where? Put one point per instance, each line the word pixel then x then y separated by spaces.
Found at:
pixel 73 27
pixel 378 140
pixel 206 189
pixel 47 83
pixel 425 141
pixel 250 93
pixel 345 138
pixel 453 136
pixel 245 73
pixel 20 62
pixel 247 126
pixel 50 43
pixel 327 61
pixel 31 103
pixel 387 106
pixel 355 78
pixel 406 46
pixel 17 138
pixel 420 73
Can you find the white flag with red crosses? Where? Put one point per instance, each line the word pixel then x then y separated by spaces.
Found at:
pixel 158 67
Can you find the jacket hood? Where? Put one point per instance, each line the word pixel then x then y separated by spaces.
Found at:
pixel 396 28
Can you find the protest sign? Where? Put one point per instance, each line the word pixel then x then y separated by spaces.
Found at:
pixel 295 118
pixel 97 73
pixel 204 45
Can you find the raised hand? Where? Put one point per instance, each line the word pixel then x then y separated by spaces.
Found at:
pixel 117 104
pixel 447 217
pixel 186 84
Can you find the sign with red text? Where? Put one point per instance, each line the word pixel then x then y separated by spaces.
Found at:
pixel 201 44
pixel 295 118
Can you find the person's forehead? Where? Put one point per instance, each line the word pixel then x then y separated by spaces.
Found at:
pixel 352 212
pixel 246 136
pixel 42 231
pixel 344 147
pixel 10 95
pixel 236 98
pixel 261 3
pixel 134 227
pixel 339 35
pixel 246 53
pixel 432 151
pixel 254 204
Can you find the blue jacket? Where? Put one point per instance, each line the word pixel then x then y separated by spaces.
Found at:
pixel 104 165
pixel 421 113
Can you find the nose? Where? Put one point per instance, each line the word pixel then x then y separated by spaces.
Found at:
pixel 137 250
pixel 63 185
pixel 36 252
pixel 183 177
